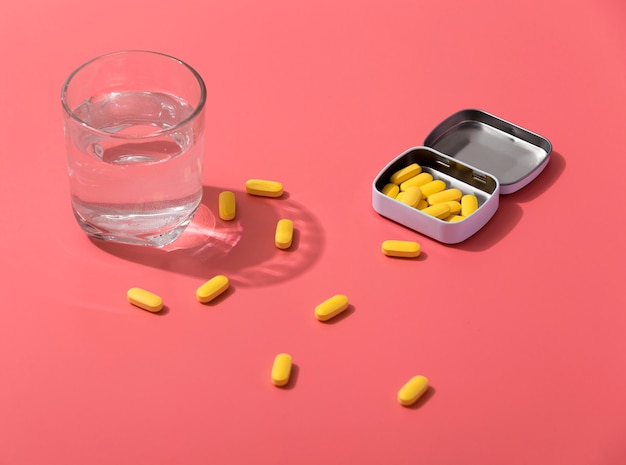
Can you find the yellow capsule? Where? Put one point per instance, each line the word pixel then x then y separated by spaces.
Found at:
pixel 405 173
pixel 440 210
pixel 391 190
pixel 144 299
pixel 281 370
pixel 454 218
pixel 413 390
pixel 284 234
pixel 212 288
pixel 331 308
pixel 406 249
pixel 469 204
pixel 264 188
pixel 422 204
pixel 411 196
pixel 444 196
pixel 455 207
pixel 417 181
pixel 399 196
pixel 227 205
pixel 433 187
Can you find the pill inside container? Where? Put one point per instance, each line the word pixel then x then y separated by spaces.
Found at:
pixel 475 152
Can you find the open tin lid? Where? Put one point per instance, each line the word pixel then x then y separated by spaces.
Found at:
pixel 515 156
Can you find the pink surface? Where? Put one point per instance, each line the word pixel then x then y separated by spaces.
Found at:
pixel 521 329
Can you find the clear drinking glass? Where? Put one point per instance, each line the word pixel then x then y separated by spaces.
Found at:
pixel 134 132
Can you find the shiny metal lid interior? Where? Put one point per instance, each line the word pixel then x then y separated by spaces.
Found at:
pixel 491 144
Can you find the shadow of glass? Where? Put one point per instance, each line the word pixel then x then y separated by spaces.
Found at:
pixel 242 249
pixel 510 212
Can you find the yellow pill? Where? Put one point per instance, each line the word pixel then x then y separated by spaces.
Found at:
pixel 212 288
pixel 444 196
pixel 264 188
pixel 413 390
pixel 331 308
pixel 422 204
pixel 455 207
pixel 433 187
pixel 393 248
pixel 469 204
pixel 411 196
pixel 284 234
pixel 440 210
pixel 417 181
pixel 405 173
pixel 281 370
pixel 226 205
pixel 454 218
pixel 391 190
pixel 144 299
pixel 399 196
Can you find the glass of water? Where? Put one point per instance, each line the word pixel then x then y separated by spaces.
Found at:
pixel 134 132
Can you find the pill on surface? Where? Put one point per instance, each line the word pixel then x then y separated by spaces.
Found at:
pixel 455 207
pixel 440 210
pixel 469 204
pixel 417 181
pixel 281 370
pixel 411 196
pixel 331 308
pixel 284 234
pixel 227 205
pixel 391 190
pixel 444 196
pixel 212 288
pixel 405 173
pixel 433 187
pixel 413 390
pixel 393 248
pixel 144 299
pixel 264 188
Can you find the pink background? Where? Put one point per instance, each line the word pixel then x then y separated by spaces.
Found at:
pixel 521 329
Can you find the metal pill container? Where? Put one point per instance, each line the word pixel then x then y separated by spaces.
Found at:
pixel 475 152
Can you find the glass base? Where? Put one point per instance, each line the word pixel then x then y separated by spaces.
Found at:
pixel 158 239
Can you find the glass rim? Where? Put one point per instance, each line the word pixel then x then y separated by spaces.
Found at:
pixel 197 110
